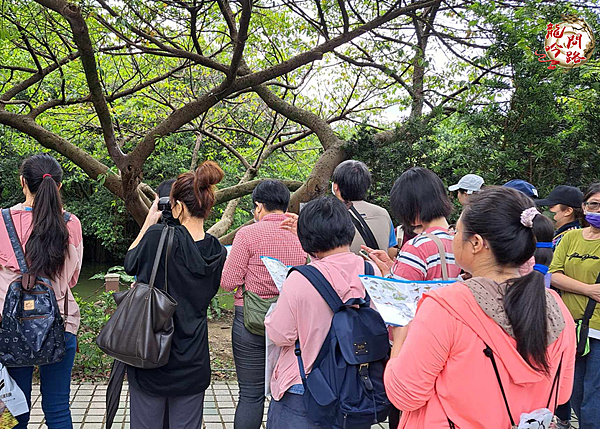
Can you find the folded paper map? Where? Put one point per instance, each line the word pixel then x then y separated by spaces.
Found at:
pixel 396 300
pixel 277 269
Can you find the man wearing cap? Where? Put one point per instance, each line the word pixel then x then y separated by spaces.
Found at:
pixel 466 186
pixel 523 186
pixel 565 202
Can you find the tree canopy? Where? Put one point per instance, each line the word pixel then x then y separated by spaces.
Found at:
pixel 129 93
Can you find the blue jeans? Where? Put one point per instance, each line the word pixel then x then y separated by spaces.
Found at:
pixel 586 387
pixel 55 385
pixel 290 413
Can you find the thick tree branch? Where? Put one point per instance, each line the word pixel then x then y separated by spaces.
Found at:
pixel 237 191
pixel 81 36
pixel 85 161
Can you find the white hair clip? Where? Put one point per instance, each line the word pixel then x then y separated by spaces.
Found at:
pixel 528 215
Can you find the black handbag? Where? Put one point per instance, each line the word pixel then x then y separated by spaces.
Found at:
pixel 33 330
pixel 140 331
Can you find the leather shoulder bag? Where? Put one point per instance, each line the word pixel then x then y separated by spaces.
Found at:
pixel 140 331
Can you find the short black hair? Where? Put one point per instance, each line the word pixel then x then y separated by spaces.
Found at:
pixel 273 194
pixel 593 189
pixel 324 224
pixel 164 189
pixel 353 179
pixel 419 193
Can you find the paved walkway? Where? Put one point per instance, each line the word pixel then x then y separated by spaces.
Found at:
pixel 88 407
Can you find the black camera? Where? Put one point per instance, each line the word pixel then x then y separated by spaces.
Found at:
pixel 164 204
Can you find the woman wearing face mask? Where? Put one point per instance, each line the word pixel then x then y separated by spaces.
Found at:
pixel 576 269
pixel 245 273
pixel 194 273
pixel 565 202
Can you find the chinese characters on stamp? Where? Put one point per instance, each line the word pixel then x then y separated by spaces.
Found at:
pixel 567 44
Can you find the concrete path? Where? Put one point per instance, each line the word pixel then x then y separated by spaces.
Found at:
pixel 88 407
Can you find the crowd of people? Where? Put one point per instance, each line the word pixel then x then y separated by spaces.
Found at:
pixel 516 332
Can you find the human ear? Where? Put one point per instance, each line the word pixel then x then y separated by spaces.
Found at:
pixel 478 243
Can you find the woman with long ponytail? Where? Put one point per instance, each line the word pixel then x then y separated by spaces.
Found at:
pixel 194 273
pixel 495 334
pixel 53 249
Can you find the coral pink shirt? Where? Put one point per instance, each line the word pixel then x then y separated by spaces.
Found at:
pixel 9 268
pixel 441 371
pixel 302 313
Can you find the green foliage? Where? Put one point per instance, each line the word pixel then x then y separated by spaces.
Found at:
pixel 214 310
pixel 124 277
pixel 543 130
pixel 91 363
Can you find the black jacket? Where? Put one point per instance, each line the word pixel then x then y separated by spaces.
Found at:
pixel 194 275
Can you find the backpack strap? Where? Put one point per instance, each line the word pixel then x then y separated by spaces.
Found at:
pixel 324 288
pixel 363 229
pixel 490 354
pixel 442 252
pixel 14 241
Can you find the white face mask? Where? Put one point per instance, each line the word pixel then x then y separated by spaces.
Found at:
pixel 333 188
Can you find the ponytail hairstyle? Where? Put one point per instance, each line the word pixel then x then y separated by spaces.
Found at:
pixel 48 244
pixel 495 214
pixel 197 189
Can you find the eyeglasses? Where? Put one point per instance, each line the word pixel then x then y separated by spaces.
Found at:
pixel 592 205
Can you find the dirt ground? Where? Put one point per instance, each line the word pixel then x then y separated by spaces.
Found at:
pixel 219 340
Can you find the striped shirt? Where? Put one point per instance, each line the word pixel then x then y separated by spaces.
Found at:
pixel 244 266
pixel 420 260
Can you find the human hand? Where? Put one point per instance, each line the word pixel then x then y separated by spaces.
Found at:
pixel 153 215
pixel 593 292
pixel 399 333
pixel 381 259
pixel 290 223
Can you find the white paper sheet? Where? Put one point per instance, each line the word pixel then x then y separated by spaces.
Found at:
pixel 278 271
pixel 396 300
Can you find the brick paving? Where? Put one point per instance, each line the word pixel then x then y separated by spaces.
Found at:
pixel 88 407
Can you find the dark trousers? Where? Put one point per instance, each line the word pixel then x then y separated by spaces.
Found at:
pixel 249 356
pixel 55 385
pixel 394 419
pixel 149 412
pixel 563 412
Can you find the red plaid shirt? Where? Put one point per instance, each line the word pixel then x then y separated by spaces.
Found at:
pixel 243 265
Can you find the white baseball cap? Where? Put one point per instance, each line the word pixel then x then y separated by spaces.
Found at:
pixel 470 183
